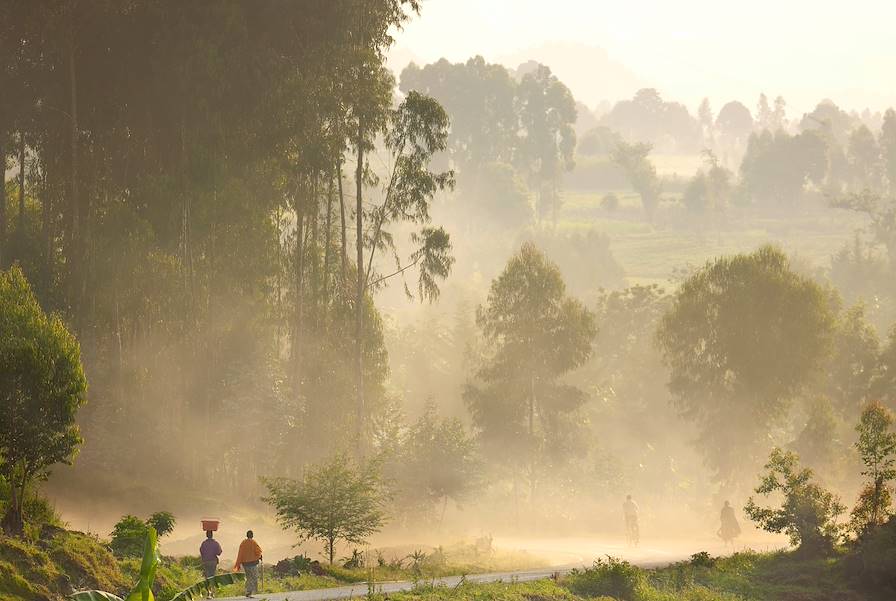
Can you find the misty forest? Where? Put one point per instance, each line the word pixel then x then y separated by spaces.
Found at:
pixel 439 326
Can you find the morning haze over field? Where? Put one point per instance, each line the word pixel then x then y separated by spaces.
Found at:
pixel 447 300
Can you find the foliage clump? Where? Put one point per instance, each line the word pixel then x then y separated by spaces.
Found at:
pixel 130 532
pixel 808 512
pixel 611 577
pixel 41 389
pixel 338 500
pixel 736 362
pixel 877 448
pixel 438 461
pixel 535 334
pixel 58 563
pixel 873 564
pixel 632 158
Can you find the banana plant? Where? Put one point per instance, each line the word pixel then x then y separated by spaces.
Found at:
pixel 142 591
pixel 207 586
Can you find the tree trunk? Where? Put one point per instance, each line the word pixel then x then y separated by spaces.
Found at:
pixel 13 521
pixel 2 199
pixel 342 218
pixel 186 220
pixel 74 201
pixel 300 293
pixel 46 225
pixel 20 231
pixel 85 245
pixel 279 283
pixel 534 449
pixel 444 509
pixel 555 200
pixel 327 244
pixel 331 548
pixel 532 407
pixel 359 295
pixel 314 215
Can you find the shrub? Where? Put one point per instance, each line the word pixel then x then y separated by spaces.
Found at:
pixel 339 500
pixel 877 448
pixel 127 537
pixel 130 532
pixel 614 578
pixel 40 515
pixel 703 560
pixel 873 564
pixel 808 512
pixel 162 521
pixel 293 566
pixel 354 562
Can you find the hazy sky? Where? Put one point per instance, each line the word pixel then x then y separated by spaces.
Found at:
pixel 687 49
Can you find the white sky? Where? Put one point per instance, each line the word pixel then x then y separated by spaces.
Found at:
pixel 804 50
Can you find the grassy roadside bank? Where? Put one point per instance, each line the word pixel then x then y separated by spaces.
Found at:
pixel 746 576
pixel 57 561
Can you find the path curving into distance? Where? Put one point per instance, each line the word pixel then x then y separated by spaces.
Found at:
pixel 360 589
pixel 564 555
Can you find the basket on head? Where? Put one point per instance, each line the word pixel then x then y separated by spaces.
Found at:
pixel 210 524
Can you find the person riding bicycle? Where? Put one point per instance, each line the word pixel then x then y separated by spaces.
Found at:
pixel 630 511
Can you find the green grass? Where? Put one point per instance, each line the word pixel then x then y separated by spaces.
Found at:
pixel 172 576
pixel 741 577
pixel 780 576
pixel 65 560
pixel 455 560
pixel 651 252
pixel 282 585
pixel 59 562
pixel 86 561
pixel 542 590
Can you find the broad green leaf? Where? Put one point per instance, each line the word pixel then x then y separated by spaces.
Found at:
pixel 142 591
pixel 204 586
pixel 94 596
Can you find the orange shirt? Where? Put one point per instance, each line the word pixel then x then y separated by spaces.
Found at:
pixel 249 552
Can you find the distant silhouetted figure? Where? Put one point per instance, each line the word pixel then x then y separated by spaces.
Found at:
pixel 630 511
pixel 209 551
pixel 730 528
pixel 249 557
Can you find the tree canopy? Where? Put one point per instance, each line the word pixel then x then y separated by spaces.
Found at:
pixel 877 448
pixel 42 388
pixel 535 334
pixel 338 500
pixel 807 513
pixel 742 336
pixel 649 119
pixel 181 203
pixel 499 121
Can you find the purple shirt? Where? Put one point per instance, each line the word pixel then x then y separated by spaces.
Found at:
pixel 209 550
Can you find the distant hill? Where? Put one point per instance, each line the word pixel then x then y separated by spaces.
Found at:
pixel 594 78
pixel 589 71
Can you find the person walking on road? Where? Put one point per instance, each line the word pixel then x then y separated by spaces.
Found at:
pixel 209 551
pixel 630 511
pixel 248 557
